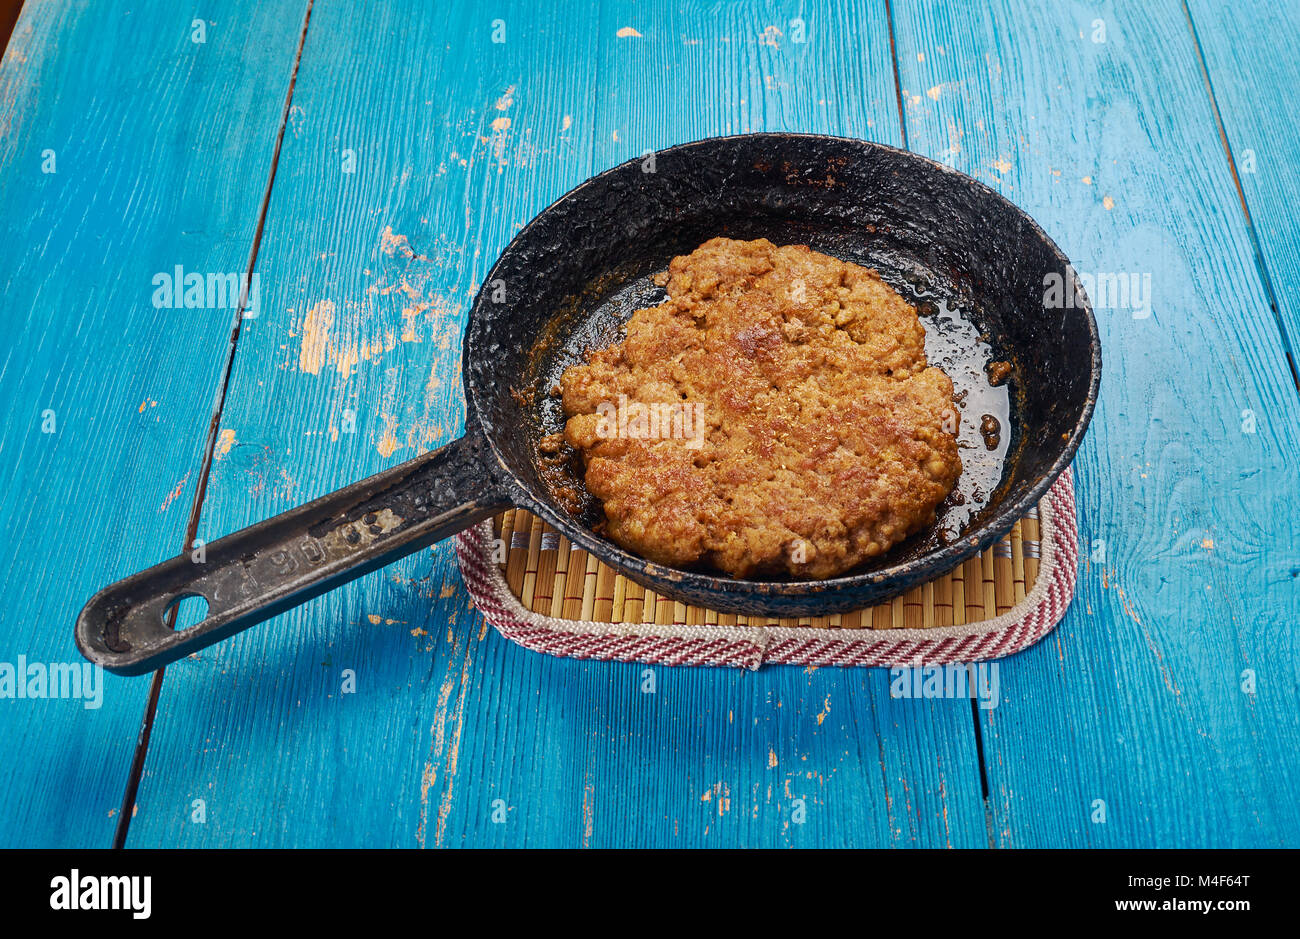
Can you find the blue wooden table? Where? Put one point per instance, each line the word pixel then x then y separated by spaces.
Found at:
pixel 368 162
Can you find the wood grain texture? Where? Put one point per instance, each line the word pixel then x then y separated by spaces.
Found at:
pixel 1252 60
pixel 459 142
pixel 162 149
pixel 1137 699
pixel 153 140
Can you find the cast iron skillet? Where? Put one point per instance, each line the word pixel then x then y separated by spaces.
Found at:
pixel 565 279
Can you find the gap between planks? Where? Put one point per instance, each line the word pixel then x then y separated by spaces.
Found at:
pixel 196 506
pixel 1261 263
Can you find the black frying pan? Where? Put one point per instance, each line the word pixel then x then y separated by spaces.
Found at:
pixel 567 281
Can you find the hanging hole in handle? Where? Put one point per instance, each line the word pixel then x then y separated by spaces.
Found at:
pixel 190 609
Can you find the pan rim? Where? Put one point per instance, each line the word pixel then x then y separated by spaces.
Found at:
pixel 906 573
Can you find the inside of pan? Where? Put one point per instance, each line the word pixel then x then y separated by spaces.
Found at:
pixel 968 261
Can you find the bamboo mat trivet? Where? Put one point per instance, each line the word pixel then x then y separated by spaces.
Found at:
pixel 552 578
pixel 539 592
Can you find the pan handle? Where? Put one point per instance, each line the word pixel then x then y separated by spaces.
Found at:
pixel 277 564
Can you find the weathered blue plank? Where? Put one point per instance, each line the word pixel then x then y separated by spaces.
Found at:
pixel 459 142
pixel 1252 57
pixel 1097 121
pixel 126 148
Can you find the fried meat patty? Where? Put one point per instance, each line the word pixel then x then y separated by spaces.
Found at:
pixel 775 415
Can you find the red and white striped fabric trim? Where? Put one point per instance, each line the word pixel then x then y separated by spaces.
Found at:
pixel 752 646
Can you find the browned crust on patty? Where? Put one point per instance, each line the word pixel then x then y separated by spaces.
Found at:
pixel 809 433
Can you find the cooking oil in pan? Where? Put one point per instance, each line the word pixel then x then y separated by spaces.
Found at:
pixel 955 344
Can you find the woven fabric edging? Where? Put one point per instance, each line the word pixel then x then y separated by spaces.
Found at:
pixel 752 646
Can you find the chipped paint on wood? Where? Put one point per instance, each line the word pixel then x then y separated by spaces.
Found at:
pixel 388 444
pixel 174 494
pixel 314 345
pixel 225 440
